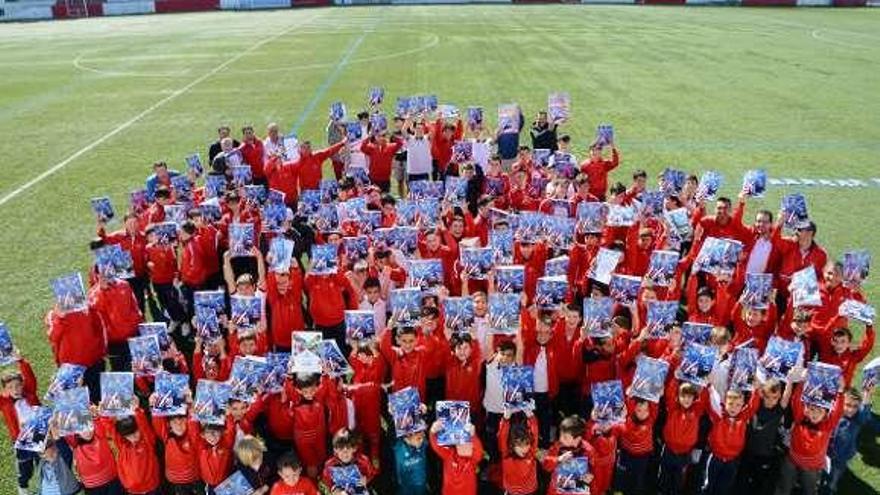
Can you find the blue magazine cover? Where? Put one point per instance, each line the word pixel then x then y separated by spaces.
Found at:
pixel 455 190
pixel 608 403
pixel 146 356
pixel 354 133
pixel 233 158
pixel 510 279
pixel 474 117
pixel 504 313
pixel 530 227
pixel 102 209
pixel 794 211
pixel 755 183
pixel 422 189
pixel 215 186
pixel 426 274
pixel 697 362
pixel 371 221
pixel 743 366
pixel 376 96
pixel 236 484
pixel 406 305
pixel 624 289
pixel 356 248
pixel 560 233
pixel 871 374
pixel 404 406
pixel 324 259
pixel 246 313
pixel 7 349
pixel 591 217
pixel 71 415
pixel 556 266
pixel 757 290
pixel 70 294
pixel 604 264
pixel 428 213
pixel 327 218
pixel 709 185
pixel 183 188
pixel 604 135
pixel 662 267
pixel 405 239
pixel 255 194
pixel 211 210
pixel 477 261
pixel 406 213
pixel 35 431
pixel 679 224
pixel 333 361
pixel 697 333
pixel 672 181
pixel 508 119
pixel 337 111
pixel 194 163
pixel 114 262
pixel 458 313
pixel 541 156
pixel 209 406
pixel 378 125
pixel 551 292
pixel 518 385
pixel 348 479
pixel 215 300
pixel 856 266
pixel 280 254
pixel 247 377
pixel 329 190
pixel 780 356
pixel 660 315
pixel 67 376
pixel 404 104
pixel 462 151
pixel 804 288
pixel 170 394
pixel 621 216
pixel 501 242
pixel 570 477
pixel 494 186
pixel 276 364
pixel 718 256
pixel 275 196
pixel 274 215
pixel 651 203
pixel 166 232
pixel 598 312
pixel 649 379
pixel 558 107
pixel 563 164
pixel 241 239
pixel 360 324
pixel 822 384
pixel 454 417
pixel 207 324
pixel 309 202
pixel 858 311
pixel 117 394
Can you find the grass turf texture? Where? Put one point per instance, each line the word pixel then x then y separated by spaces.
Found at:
pixel 698 88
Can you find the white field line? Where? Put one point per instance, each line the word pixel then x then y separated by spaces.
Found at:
pixel 125 125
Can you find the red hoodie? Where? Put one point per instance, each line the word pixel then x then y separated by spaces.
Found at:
pixel 28 394
pixel 181 452
pixel 366 393
pixel 193 267
pixel 70 331
pixel 252 153
pixel 597 171
pixel 135 244
pixel 137 462
pixel 441 147
pixel 637 437
pixel 809 441
pixel 94 459
pixel 361 461
pixel 117 309
pixel 285 310
pixel 519 475
pixel 215 461
pixel 459 473
pixel 163 260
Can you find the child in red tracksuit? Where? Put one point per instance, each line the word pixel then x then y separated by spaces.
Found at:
pixel 366 393
pixel 136 454
pixel 835 347
pixel 94 459
pixel 310 418
pixel 407 360
pixel 181 439
pixel 636 446
pixel 603 438
pixel 727 438
pixel 18 395
pixel 684 407
pixel 518 445
pixel 345 453
pixel 810 434
pixel 460 463
pixel 571 444
pixel 291 481
pixel 214 452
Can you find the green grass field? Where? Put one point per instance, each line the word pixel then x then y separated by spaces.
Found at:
pixel 98 100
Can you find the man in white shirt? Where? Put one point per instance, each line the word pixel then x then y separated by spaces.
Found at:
pixel 493 395
pixel 418 154
pixel 373 301
pixel 273 145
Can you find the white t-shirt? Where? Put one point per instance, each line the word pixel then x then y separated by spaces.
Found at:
pixel 482 150
pixel 542 383
pixel 418 156
pixel 759 256
pixel 493 399
pixel 270 148
pixel 379 312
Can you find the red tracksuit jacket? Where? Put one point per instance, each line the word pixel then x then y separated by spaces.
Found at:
pixel 519 475
pixel 463 378
pixel 407 370
pixel 164 263
pixel 727 438
pixel 285 310
pixel 117 310
pixel 329 297
pixel 380 159
pixel 809 442
pixel 366 393
pixel 459 473
pixel 28 393
pixel 597 171
pixel 363 464
pixel 637 437
pixel 551 461
pixel 252 153
pixel 135 244
pixel 181 452
pixel 215 461
pixel 602 466
pixel 94 459
pixel 68 332
pixel 682 425
pixel 309 166
pixel 137 462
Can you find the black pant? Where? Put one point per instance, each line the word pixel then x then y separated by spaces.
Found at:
pixel 383 185
pixel 544 415
pixel 186 291
pixel 631 472
pixel 720 476
pixel 195 488
pixel 139 287
pixel 568 400
pixel 119 356
pixel 757 475
pixel 337 333
pixel 92 380
pixel 672 467
pixel 415 177
pixel 111 488
pixel 27 461
pixel 490 436
pixel 169 299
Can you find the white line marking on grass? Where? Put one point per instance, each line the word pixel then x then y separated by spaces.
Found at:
pixel 125 125
pixel 815 34
pixel 77 63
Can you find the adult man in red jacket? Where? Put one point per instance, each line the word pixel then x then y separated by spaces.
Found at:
pixel 381 153
pixel 78 338
pixel 309 164
pixel 443 135
pixel 131 239
pixel 252 153
pixel 116 308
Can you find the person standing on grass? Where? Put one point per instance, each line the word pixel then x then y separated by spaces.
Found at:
pixel 508 143
pixel 252 154
pixel 273 144
pixel 161 177
pixel 418 152
pixel 116 308
pixel 543 133
pixel 597 169
pixel 380 154
pixel 131 239
pixel 215 149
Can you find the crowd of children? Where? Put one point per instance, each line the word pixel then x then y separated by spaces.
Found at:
pixel 586 420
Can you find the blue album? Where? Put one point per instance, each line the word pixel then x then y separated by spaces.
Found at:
pixel 624 289
pixel 591 217
pixel 247 311
pixel 504 313
pixel 510 279
pixel 458 313
pixel 822 384
pixel 247 377
pixel 67 376
pixel 518 385
pixel 609 406
pixel 598 312
pixel 406 306
pixel 117 394
pixel 146 356
pixel 170 394
pixel 697 362
pixel 662 267
pixel 660 315
pixel 70 294
pixel 103 209
pixel 426 274
pixel 360 324
pixel 454 417
pixel 209 406
pixel 551 292
pixel 404 406
pixel 780 357
pixel 648 381
pixel 71 415
pixel 324 259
